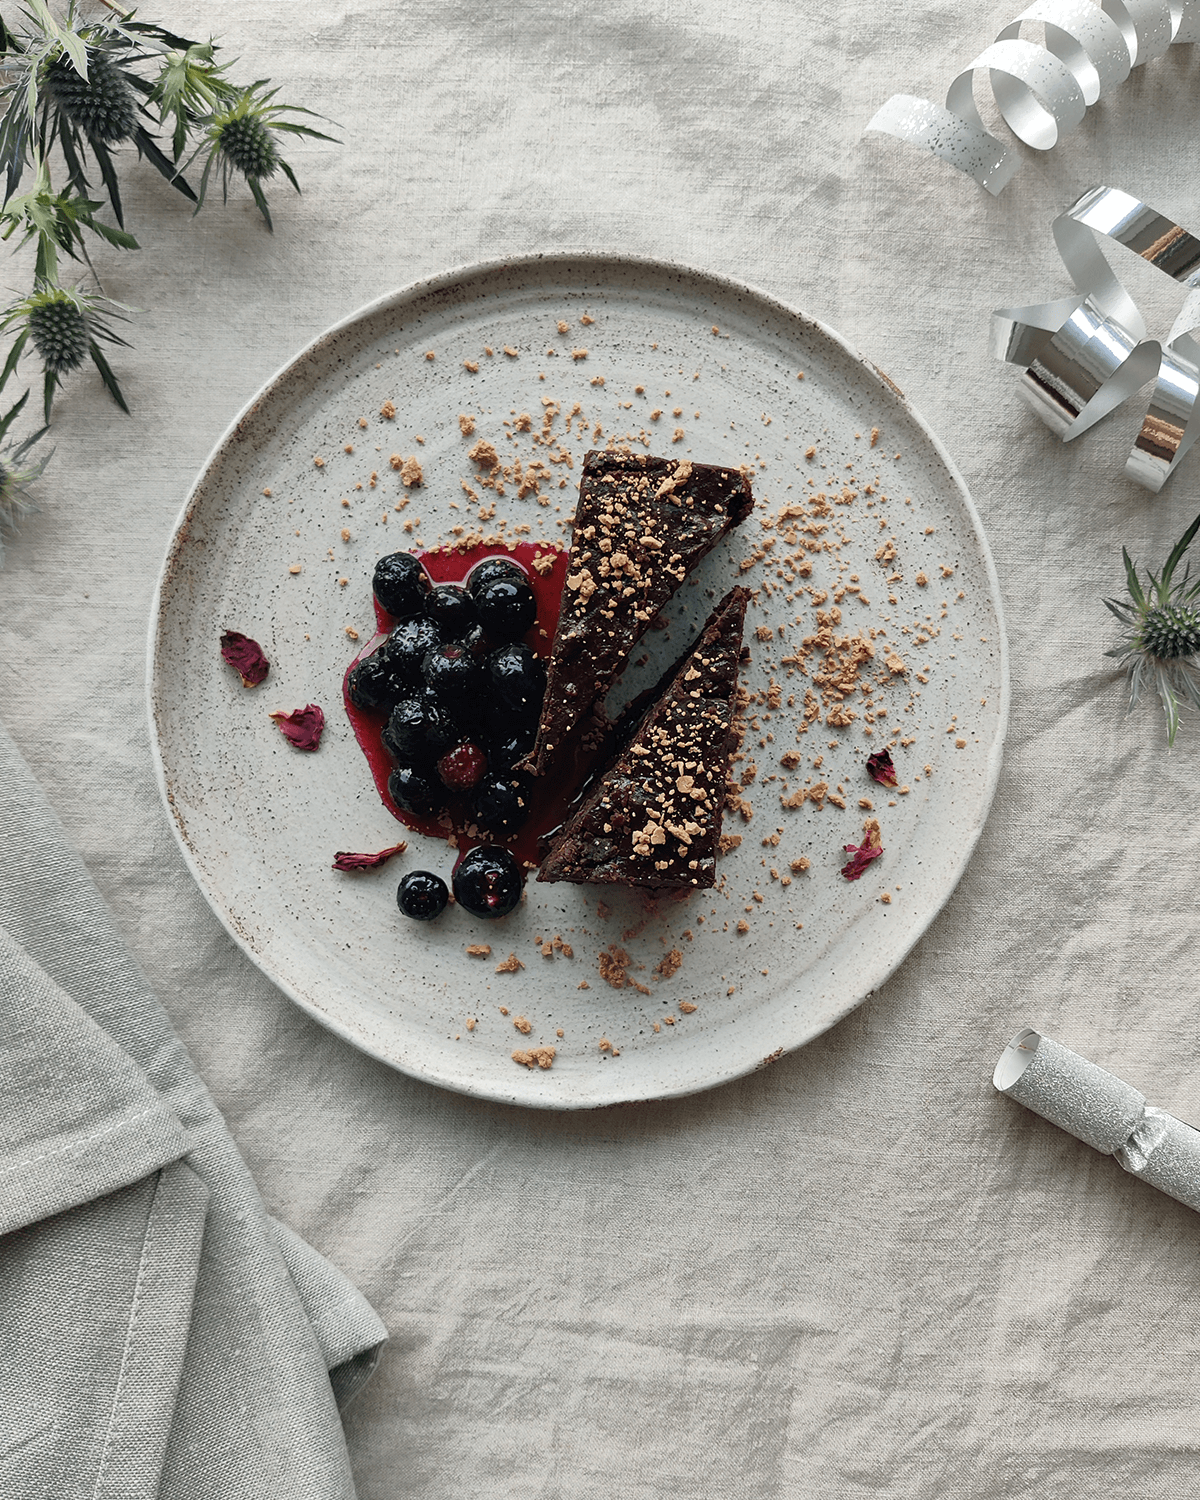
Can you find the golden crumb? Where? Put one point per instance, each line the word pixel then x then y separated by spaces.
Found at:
pixel 466 424
pixel 345 533
pixel 798 866
pixel 410 471
pixel 318 462
pixel 866 803
pixel 342 582
pixel 586 320
pixel 503 1010
pixel 510 966
pixel 351 632
pixel 886 898
pixel 678 437
pixel 563 326
pixel 687 1007
pixel 484 454
pixel 388 410
pixel 479 950
pixel 510 351
pixel 579 353
pixel 728 841
pixel 810 452
pixel 743 925
pixel 429 354
pixel 597 380
pixel 471 1023
pixel 656 413
pixel 921 580
pixel 560 1032
pixel 267 493
pixel 541 1057
pixel 669 964
pixel 583 985
pixel 295 568
pixel 960 744
pixel 472 365
pixel 523 1024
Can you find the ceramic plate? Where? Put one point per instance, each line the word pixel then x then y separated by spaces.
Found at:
pixel 678 363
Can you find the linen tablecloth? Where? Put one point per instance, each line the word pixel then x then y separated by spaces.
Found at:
pixel 859 1273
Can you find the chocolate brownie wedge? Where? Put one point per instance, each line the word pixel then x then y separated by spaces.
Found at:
pixel 653 818
pixel 641 525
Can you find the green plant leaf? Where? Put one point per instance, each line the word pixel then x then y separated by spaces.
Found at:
pixel 14 354
pixel 51 385
pixel 1131 580
pixel 260 198
pixel 11 415
pixel 1180 547
pixel 106 374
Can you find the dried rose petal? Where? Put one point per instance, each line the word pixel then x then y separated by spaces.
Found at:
pixel 246 655
pixel 881 768
pixel 344 861
pixel 871 848
pixel 302 727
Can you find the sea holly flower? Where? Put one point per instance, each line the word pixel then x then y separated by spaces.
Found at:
pixel 871 848
pixel 1162 621
pixel 881 768
pixel 303 727
pixel 242 137
pixel 65 325
pixel 16 475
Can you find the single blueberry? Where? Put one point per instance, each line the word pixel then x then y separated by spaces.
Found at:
pixel 422 896
pixel 406 649
pixel 502 801
pixel 517 676
pixel 487 882
pixel 453 676
pixel 451 609
pixel 370 684
pixel 491 568
pixel 510 741
pixel 419 731
pixel 400 584
pixel 506 608
pixel 415 792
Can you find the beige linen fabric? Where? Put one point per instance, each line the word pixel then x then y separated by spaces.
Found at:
pixel 860 1273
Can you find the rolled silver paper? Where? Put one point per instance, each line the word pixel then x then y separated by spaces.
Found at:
pixel 1042 89
pixel 1084 355
pixel 1102 1110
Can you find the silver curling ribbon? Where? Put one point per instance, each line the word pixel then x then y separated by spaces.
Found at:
pixel 1041 89
pixel 1084 355
pixel 1103 1111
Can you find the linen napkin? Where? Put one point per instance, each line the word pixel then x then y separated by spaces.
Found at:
pixel 160 1335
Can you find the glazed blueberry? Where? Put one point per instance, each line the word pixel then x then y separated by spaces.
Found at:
pixel 502 802
pixel 400 584
pixel 487 882
pixel 418 731
pixel 491 568
pixel 415 792
pixel 510 742
pixel 451 609
pixel 517 677
pixel 453 676
pixel 461 767
pixel 506 608
pixel 422 896
pixel 370 684
pixel 406 649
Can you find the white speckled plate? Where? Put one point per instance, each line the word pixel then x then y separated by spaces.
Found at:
pixel 259 822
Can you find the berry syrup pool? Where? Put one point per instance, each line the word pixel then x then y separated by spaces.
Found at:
pixel 550 796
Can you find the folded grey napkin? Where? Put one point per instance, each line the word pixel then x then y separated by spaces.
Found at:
pixel 160 1335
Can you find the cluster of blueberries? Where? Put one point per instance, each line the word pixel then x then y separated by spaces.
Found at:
pixel 463 695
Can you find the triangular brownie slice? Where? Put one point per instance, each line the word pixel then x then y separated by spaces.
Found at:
pixel 641 525
pixel 654 816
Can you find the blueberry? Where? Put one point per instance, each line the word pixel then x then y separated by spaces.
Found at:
pixel 453 676
pixel 511 741
pixel 422 896
pixel 406 648
pixel 370 684
pixel 451 609
pixel 502 801
pixel 418 731
pixel 506 608
pixel 400 584
pixel 518 679
pixel 487 882
pixel 491 568
pixel 415 792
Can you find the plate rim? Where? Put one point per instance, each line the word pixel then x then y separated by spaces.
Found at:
pixel 475 271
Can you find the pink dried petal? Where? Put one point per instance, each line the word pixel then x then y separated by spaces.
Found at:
pixel 881 768
pixel 246 655
pixel 345 861
pixel 871 848
pixel 302 727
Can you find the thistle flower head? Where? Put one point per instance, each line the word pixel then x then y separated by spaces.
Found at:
pixel 58 325
pixel 244 140
pixel 66 325
pixel 101 105
pixel 1162 640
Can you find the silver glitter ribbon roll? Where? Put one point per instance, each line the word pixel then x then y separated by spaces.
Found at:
pixel 1042 89
pixel 1084 355
pixel 1103 1111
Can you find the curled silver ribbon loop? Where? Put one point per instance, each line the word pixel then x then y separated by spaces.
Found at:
pixel 1085 355
pixel 1042 89
pixel 1103 1111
